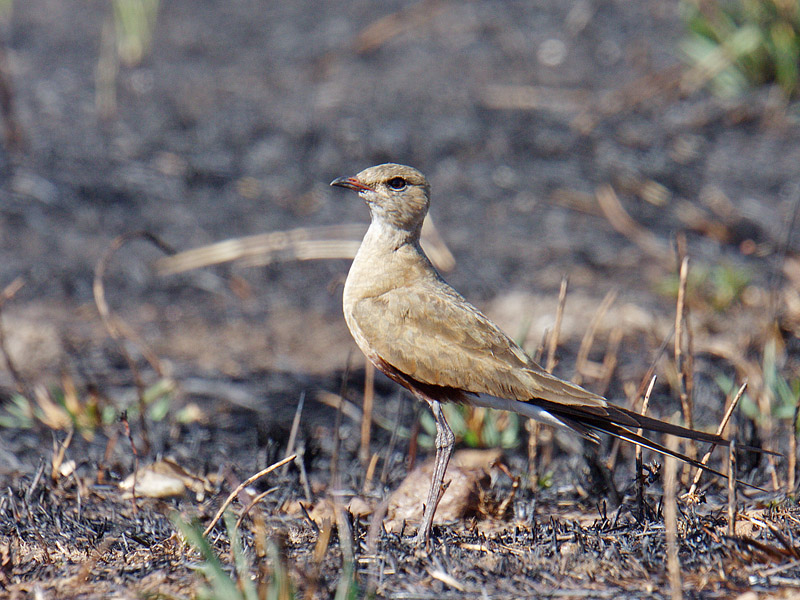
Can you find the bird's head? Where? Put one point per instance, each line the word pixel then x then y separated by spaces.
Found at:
pixel 396 194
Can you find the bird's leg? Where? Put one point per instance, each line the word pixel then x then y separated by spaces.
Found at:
pixel 445 440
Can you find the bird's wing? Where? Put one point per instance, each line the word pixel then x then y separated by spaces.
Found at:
pixel 430 333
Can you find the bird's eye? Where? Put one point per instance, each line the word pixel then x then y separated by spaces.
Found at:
pixel 396 183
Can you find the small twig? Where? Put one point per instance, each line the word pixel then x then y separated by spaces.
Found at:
pixel 393 438
pixel 732 488
pixel 610 359
pixel 124 419
pixel 722 425
pixel 301 464
pixel 37 477
pixel 639 465
pixel 410 19
pixel 413 439
pixel 337 441
pixel 502 508
pixel 370 474
pixel 295 426
pixel 552 341
pixel 653 364
pixel 617 443
pixel 243 485
pixel 323 542
pixel 375 525
pixel 682 367
pixel 622 222
pixel 59 451
pixel 671 521
pixel 588 338
pixel 366 416
pixel 112 325
pixel 253 502
pixel 533 426
pixel 346 542
pixel 310 521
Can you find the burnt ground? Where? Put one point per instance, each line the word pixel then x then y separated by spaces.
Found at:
pixel 522 115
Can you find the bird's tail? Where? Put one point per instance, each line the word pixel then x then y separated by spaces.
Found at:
pixel 623 423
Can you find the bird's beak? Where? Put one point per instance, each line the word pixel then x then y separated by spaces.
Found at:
pixel 351 183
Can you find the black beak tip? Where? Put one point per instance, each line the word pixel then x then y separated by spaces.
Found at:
pixel 351 183
pixel 340 182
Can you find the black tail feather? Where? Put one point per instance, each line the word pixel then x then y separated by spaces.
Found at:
pixel 618 422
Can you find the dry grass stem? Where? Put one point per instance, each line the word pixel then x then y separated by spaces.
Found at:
pixel 552 340
pixel 114 325
pixel 612 457
pixel 622 222
pixel 129 435
pixel 610 359
pixel 295 427
pixel 337 426
pixel 303 243
pixel 589 108
pixel 376 525
pixel 536 97
pixel 447 579
pixel 323 541
pixel 370 474
pixel 722 425
pixel 639 462
pixel 11 290
pixel 434 246
pixel 346 542
pixel 581 365
pixel 354 413
pixel 671 522
pixel 256 499
pixel 683 368
pixel 534 427
pixel 408 20
pixel 335 401
pixel 505 504
pixel 732 474
pixel 59 451
pixel 395 432
pixel 243 485
pixel 366 416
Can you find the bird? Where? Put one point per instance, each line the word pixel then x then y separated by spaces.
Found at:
pixel 421 333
